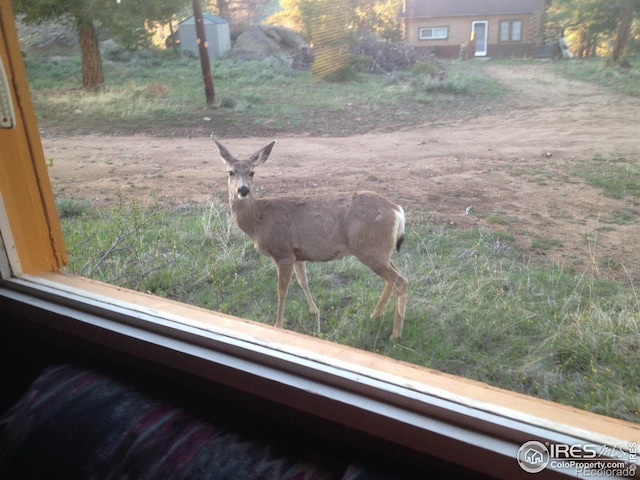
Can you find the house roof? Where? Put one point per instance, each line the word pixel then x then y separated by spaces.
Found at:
pixel 449 8
pixel 206 18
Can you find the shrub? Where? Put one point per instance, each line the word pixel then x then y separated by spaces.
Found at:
pixel 424 69
pixel 72 207
pixel 345 73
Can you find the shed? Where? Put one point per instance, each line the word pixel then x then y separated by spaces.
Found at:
pixel 501 28
pixel 216 31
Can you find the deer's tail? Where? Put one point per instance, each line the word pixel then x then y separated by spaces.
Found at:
pixel 400 228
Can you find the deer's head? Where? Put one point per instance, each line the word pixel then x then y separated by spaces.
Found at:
pixel 241 171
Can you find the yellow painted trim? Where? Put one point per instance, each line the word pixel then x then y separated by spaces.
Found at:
pixel 29 207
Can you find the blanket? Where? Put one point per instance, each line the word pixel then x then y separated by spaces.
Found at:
pixel 77 423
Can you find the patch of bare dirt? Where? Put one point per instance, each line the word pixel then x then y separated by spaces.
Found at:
pixel 513 170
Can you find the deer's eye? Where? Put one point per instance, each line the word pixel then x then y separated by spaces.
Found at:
pixel 251 174
pixel 231 173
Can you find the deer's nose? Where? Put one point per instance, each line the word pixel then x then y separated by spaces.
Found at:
pixel 243 191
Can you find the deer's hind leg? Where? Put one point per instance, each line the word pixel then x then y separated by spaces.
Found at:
pixel 395 283
pixel 383 300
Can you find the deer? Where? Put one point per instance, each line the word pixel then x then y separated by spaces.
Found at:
pixel 293 230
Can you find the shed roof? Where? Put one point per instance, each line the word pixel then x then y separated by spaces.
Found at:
pixel 448 8
pixel 206 18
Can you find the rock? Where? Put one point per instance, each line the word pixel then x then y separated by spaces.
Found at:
pixel 269 40
pixel 46 34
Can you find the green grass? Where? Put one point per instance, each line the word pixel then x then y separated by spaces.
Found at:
pixel 477 306
pixel 596 70
pixel 617 177
pixel 544 243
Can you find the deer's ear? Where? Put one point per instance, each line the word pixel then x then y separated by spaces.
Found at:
pixel 261 156
pixel 224 154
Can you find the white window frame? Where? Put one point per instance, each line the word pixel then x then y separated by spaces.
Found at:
pixel 516 33
pixel 433 33
pixel 510 31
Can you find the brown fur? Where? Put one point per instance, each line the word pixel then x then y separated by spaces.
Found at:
pixel 293 230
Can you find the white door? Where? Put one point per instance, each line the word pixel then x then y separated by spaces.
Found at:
pixel 480 30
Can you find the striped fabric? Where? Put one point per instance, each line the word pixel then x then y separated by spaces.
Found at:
pixel 78 424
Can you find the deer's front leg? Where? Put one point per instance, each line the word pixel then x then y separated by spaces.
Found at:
pixel 285 270
pixel 301 274
pixel 300 269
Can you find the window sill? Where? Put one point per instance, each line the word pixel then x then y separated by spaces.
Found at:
pixel 430 412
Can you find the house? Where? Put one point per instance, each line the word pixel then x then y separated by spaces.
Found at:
pixel 500 28
pixel 216 33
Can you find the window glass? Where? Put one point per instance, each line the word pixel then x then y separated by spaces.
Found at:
pixel 516 31
pixel 434 33
pixel 472 300
pixel 504 31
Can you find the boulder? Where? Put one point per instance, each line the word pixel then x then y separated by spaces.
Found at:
pixel 270 40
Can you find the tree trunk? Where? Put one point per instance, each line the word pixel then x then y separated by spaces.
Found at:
pixel 203 50
pixel 223 9
pixel 92 76
pixel 621 40
pixel 583 45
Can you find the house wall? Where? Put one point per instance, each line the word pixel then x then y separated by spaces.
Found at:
pixel 221 40
pixel 460 30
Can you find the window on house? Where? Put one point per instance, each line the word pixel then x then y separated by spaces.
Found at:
pixel 504 30
pixel 434 33
pixel 510 30
pixel 516 31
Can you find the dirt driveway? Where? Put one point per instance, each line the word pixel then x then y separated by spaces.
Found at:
pixel 513 171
